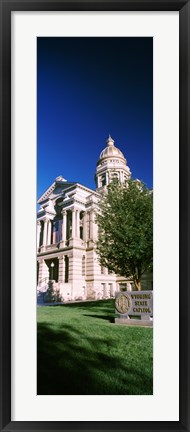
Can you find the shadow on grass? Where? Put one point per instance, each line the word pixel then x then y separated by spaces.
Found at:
pixel 71 364
pixel 105 307
pixel 85 304
pixel 104 317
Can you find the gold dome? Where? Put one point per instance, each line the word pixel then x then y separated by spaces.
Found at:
pixel 111 150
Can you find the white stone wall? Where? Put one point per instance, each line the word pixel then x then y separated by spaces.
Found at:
pixel 43 274
pixel 76 279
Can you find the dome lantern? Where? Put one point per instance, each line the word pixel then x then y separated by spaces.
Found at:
pixel 110 141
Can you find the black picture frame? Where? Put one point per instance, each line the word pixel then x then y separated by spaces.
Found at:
pixel 6 7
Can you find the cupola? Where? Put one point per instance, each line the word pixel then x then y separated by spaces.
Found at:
pixel 111 165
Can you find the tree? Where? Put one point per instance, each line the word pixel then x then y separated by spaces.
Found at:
pixel 125 222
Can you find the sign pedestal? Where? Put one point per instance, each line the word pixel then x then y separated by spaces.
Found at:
pixel 134 322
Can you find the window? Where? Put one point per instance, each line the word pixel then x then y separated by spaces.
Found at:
pixel 103 180
pixel 115 177
pixel 123 287
pixel 81 232
pixel 103 285
pixel 66 268
pixel 111 289
pixel 83 265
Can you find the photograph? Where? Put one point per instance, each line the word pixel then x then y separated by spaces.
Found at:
pixel 94 245
pixel 94 218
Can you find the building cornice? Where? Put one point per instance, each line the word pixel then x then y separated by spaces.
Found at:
pixel 91 191
pixel 56 252
pixel 46 194
pixel 71 186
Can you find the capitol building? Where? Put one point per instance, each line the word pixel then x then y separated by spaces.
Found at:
pixel 67 233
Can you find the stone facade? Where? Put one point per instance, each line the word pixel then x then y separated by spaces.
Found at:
pixel 67 234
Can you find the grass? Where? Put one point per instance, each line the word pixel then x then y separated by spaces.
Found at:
pixel 82 352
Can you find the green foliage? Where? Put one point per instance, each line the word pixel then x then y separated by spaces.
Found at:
pixel 125 221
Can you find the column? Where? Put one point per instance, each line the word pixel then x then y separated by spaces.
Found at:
pixel 64 226
pixel 105 293
pixel 88 225
pixel 85 226
pixel 38 233
pixel 91 225
pixel 49 232
pixel 61 276
pixel 73 223
pixel 77 223
pixel 45 233
pixel 95 227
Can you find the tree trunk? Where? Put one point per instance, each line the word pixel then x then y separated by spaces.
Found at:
pixel 137 285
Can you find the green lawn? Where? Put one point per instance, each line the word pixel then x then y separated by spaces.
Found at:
pixel 81 352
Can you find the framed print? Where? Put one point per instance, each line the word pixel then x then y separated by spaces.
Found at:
pixel 70 71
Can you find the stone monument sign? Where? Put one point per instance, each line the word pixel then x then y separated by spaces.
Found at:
pixel 134 307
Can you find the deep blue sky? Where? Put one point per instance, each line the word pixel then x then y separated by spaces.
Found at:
pixel 86 89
